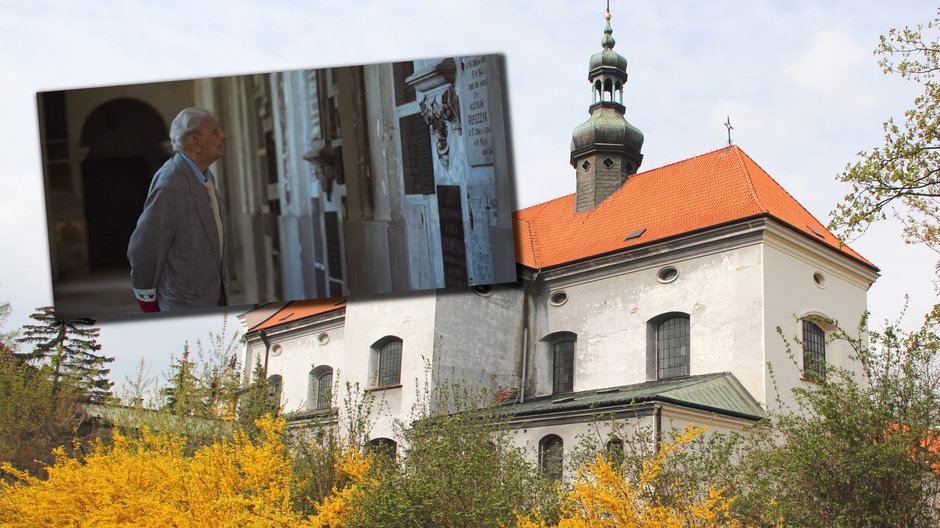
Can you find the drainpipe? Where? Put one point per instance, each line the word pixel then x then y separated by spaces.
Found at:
pixel 267 348
pixel 658 414
pixel 525 334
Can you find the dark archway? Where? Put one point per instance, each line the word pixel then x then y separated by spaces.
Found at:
pixel 126 141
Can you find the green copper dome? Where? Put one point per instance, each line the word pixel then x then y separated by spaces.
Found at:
pixel 608 59
pixel 606 130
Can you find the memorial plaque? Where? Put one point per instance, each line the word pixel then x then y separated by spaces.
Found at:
pixel 476 108
pixel 453 250
pixel 417 163
pixel 333 257
pixel 404 93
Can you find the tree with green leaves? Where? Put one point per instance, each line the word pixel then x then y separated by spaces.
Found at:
pixel 855 450
pixel 259 397
pixel 457 467
pixel 32 421
pixel 326 438
pixel 196 397
pixel 903 173
pixel 182 393
pixel 67 348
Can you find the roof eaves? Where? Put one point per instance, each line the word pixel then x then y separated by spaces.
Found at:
pixel 636 401
pixel 268 318
pixel 649 243
pixel 621 396
pixel 305 318
pixel 830 247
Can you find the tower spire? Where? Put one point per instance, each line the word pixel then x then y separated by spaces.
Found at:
pixel 605 149
pixel 608 41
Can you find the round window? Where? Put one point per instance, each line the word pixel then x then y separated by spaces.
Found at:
pixel 276 350
pixel 667 274
pixel 323 338
pixel 819 279
pixel 559 298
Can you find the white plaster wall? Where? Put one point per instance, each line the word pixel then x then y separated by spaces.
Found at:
pixel 572 435
pixel 674 421
pixel 720 291
pixel 792 293
pixel 301 351
pixel 478 337
pixel 410 317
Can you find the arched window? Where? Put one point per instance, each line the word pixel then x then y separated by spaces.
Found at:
pixel 557 361
pixel 388 361
pixel 275 386
pixel 320 391
pixel 383 447
pixel 325 389
pixel 615 453
pixel 551 456
pixel 672 347
pixel 814 351
pixel 563 366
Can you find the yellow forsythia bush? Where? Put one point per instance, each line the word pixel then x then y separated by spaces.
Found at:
pixel 602 497
pixel 150 482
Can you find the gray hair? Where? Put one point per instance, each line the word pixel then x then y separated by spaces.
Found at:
pixel 185 123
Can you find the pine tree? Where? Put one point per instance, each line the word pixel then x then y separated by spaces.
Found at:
pixel 204 384
pixel 260 397
pixel 182 393
pixel 67 348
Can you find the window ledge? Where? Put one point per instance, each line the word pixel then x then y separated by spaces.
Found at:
pixel 384 387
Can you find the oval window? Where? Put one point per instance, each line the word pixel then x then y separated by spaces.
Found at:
pixel 667 274
pixel 559 298
pixel 819 279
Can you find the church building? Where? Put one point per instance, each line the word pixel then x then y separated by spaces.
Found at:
pixel 650 296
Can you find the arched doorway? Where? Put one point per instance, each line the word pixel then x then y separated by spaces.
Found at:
pixel 126 143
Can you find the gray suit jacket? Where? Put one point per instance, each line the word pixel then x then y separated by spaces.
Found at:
pixel 175 247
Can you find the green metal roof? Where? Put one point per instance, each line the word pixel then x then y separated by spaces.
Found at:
pixel 719 393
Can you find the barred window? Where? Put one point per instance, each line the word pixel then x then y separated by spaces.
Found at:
pixel 551 456
pixel 275 386
pixel 389 363
pixel 383 447
pixel 615 451
pixel 814 350
pixel 563 366
pixel 320 388
pixel 672 347
pixel 325 389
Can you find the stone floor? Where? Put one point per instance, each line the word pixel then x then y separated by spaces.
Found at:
pixel 95 295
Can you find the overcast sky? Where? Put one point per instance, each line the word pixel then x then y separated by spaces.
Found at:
pixel 797 78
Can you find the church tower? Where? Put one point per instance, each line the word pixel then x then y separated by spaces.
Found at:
pixel 605 149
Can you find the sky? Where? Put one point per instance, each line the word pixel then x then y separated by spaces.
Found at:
pixel 797 79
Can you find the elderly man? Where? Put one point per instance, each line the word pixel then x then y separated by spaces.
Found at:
pixel 176 250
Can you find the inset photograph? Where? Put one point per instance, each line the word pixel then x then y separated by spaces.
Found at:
pixel 278 186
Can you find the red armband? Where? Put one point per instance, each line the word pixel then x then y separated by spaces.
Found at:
pixel 148 306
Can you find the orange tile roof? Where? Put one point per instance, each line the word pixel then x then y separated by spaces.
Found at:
pixel 296 310
pixel 705 191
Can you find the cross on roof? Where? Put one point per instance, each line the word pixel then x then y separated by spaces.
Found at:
pixel 727 124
